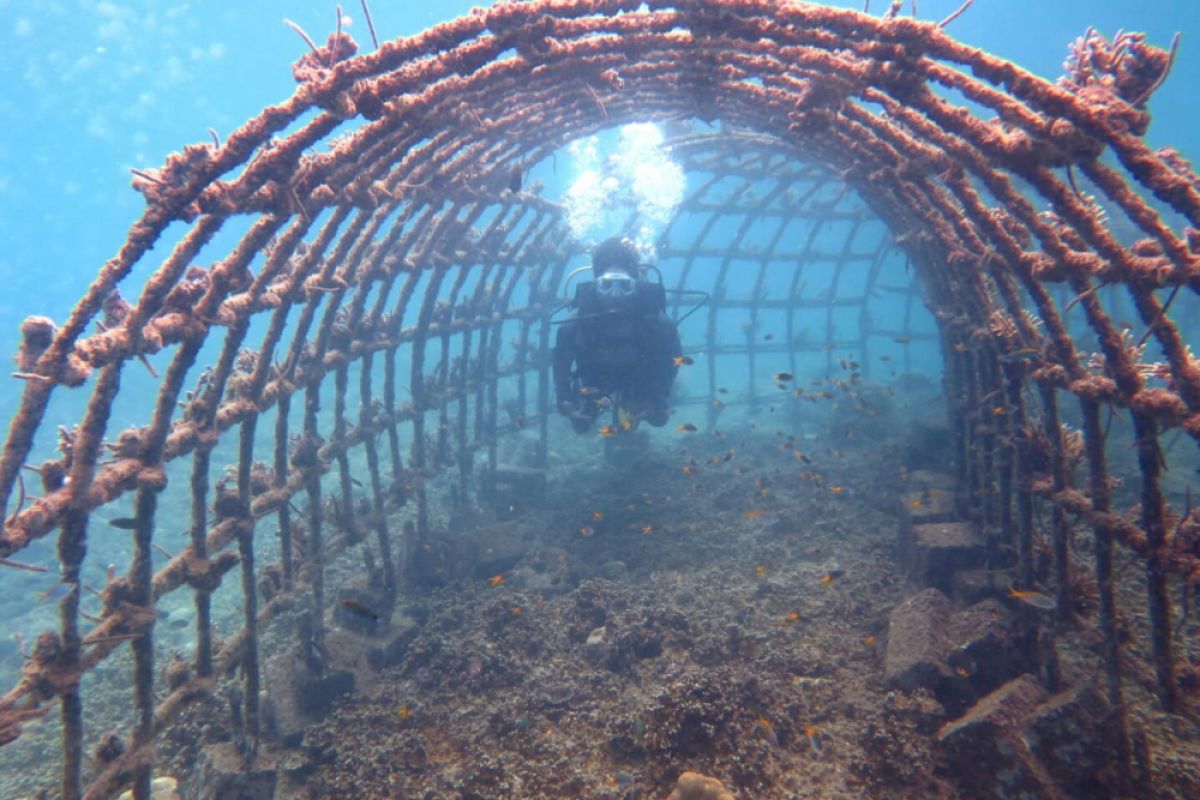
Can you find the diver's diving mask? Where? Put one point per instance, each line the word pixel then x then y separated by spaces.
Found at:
pixel 616 284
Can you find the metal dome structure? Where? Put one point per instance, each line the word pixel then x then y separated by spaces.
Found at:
pixel 366 248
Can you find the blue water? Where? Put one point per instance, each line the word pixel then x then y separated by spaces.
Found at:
pixel 92 89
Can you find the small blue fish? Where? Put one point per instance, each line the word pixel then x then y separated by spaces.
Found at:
pixel 56 592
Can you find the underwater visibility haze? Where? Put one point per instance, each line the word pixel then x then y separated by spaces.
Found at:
pixel 717 399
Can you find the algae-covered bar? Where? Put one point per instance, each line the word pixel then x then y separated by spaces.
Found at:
pixel 923 506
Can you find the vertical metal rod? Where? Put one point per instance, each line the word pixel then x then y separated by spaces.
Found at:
pixel 420 342
pixel 199 542
pixel 245 537
pixel 366 422
pixel 315 557
pixel 1046 648
pixel 389 405
pixel 1062 526
pixel 520 362
pixel 145 504
pixel 72 545
pixel 489 359
pixel 1007 452
pixel 282 410
pixel 543 393
pixel 347 521
pixel 463 456
pixel 986 441
pixel 1150 461
pixel 1103 545
pixel 973 454
pixel 954 380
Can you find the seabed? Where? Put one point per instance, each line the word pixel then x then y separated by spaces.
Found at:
pixel 716 601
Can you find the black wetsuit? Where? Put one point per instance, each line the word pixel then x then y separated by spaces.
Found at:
pixel 623 350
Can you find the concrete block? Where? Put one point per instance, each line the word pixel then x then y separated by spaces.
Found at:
pixel 928 505
pixel 300 698
pixel 984 752
pixel 1072 734
pixel 916 643
pixel 222 773
pixel 393 645
pixel 982 647
pixel 972 585
pixel 937 550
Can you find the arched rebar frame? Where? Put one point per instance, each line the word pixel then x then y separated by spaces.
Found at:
pixel 405 237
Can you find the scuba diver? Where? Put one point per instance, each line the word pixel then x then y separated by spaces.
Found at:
pixel 624 348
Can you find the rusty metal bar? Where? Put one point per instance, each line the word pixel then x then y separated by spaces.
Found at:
pixel 988 220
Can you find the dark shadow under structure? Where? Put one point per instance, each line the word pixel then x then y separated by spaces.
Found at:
pixel 386 272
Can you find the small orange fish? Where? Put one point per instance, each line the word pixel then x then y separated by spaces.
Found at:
pixel 999 411
pixel 404 712
pixel 768 730
pixel 684 361
pixel 359 609
pixel 755 514
pixel 496 580
pixel 760 570
pixel 916 504
pixel 516 611
pixel 837 490
pixel 586 531
pixel 961 347
pixel 962 672
pixel 606 431
pixel 790 619
pixel 687 427
pixel 829 577
pixel 869 640
pixel 584 390
pixel 688 469
pixel 647 529
pixel 1038 600
pixel 814 737
pixel 597 516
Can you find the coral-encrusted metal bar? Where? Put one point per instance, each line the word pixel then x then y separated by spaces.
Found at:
pixel 368 186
